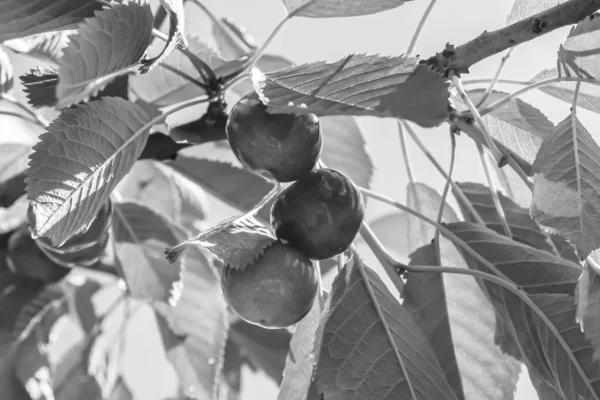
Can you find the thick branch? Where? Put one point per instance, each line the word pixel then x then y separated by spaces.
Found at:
pixel 459 59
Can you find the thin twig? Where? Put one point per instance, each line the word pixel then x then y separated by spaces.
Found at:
pixel 445 195
pixel 488 80
pixel 490 88
pixel 491 145
pixel 493 190
pixel 457 190
pixel 183 75
pixel 417 34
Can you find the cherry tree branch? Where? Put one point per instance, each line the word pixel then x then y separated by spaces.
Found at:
pixel 460 58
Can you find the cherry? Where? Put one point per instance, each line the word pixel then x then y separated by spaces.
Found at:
pixel 27 260
pixel 85 248
pixel 320 214
pixel 275 291
pixel 279 147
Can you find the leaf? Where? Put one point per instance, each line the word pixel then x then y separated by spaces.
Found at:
pixel 40 86
pixel 195 327
pixel 304 347
pixel 541 346
pixel 338 8
pixel 176 14
pixel 67 192
pixel 523 228
pixel 267 63
pixel 371 347
pixel 522 9
pixel 47 46
pixel 588 97
pixel 588 311
pixel 141 236
pixel 6 73
pixel 96 54
pixel 239 188
pixel 24 18
pixel 516 124
pixel 231 375
pixel 238 241
pixel 161 147
pixel 405 89
pixel 266 349
pixel 425 300
pixel 79 292
pixel 565 197
pixel 345 149
pixel 163 87
pixel 580 54
pixel 229 47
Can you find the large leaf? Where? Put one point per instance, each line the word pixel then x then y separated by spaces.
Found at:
pixel 566 186
pixel 338 8
pixel 405 89
pixel 195 324
pixel 518 125
pixel 371 347
pixel 523 228
pixel 588 306
pixel 98 53
pixel 580 54
pixel 588 97
pixel 176 13
pixel 40 86
pixel 522 9
pixel 140 236
pixel 80 159
pixel 23 18
pixel 299 364
pixel 47 46
pixel 163 87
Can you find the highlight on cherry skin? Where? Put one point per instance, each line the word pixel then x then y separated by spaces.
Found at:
pixel 319 214
pixel 278 147
pixel 276 291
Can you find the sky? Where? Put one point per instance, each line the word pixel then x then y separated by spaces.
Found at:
pixel 304 40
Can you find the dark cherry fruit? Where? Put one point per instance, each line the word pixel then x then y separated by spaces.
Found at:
pixel 27 260
pixel 83 249
pixel 275 291
pixel 279 147
pixel 320 214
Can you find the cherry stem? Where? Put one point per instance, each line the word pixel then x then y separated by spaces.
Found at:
pixel 487 80
pixel 41 121
pixel 272 193
pixel 457 190
pixel 183 75
pixel 340 262
pixel 493 190
pixel 445 195
pixel 417 34
pixel 488 91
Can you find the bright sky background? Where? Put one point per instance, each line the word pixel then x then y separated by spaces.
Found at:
pixel 304 40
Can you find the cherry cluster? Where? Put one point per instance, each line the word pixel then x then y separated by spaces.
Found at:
pixel 316 217
pixel 38 260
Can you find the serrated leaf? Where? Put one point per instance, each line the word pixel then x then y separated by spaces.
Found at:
pixel 238 241
pixel 40 86
pixel 345 149
pixel 267 63
pixel 588 310
pixel 140 237
pixel 6 73
pixel 162 87
pixel 176 14
pixel 580 54
pixel 265 349
pixel 588 97
pixel 522 9
pixel 24 18
pixel 79 161
pixel 565 196
pixel 47 46
pixel 364 325
pixel 523 228
pixel 237 187
pixel 194 328
pixel 96 54
pixel 405 89
pixel 161 147
pixel 299 364
pixel 338 8
pixel 517 125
